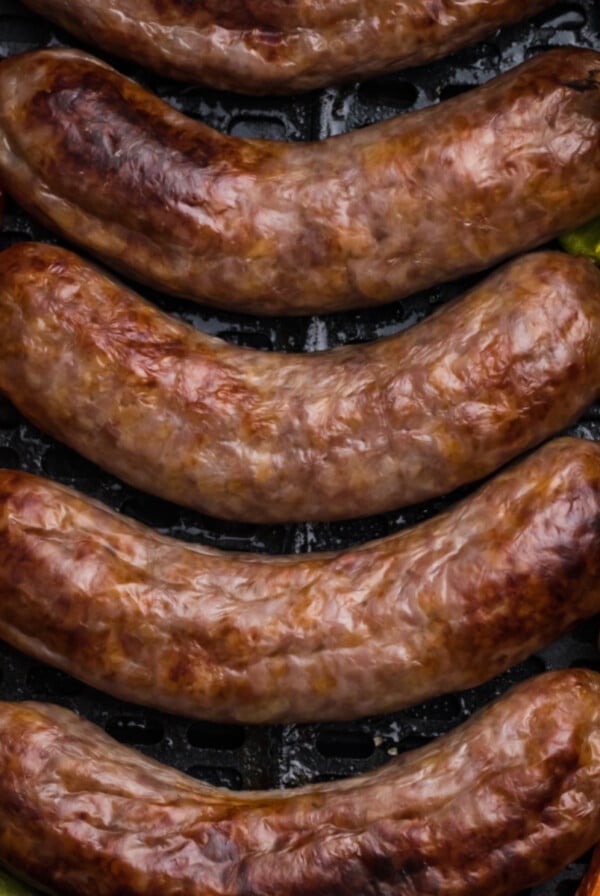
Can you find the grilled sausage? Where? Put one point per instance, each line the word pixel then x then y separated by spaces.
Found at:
pixel 280 228
pixel 282 46
pixel 498 805
pixel 233 637
pixel 265 437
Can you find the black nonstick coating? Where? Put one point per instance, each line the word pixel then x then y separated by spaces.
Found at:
pixel 291 755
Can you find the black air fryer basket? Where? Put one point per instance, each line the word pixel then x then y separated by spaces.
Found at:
pixel 291 755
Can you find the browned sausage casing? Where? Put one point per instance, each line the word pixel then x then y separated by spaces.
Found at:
pixel 282 46
pixel 244 638
pixel 498 805
pixel 266 437
pixel 280 228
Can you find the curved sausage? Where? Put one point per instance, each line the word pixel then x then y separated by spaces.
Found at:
pixel 500 804
pixel 282 46
pixel 276 228
pixel 266 437
pixel 245 638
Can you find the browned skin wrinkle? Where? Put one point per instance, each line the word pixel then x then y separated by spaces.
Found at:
pixel 243 638
pixel 282 46
pixel 100 121
pixel 267 437
pixel 498 805
pixel 278 228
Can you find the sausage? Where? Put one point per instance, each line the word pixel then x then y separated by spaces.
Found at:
pixel 266 437
pixel 282 46
pixel 246 638
pixel 276 228
pixel 498 805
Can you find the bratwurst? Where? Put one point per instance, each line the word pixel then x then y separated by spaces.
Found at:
pixel 246 638
pixel 276 228
pixel 282 46
pixel 266 437
pixel 500 804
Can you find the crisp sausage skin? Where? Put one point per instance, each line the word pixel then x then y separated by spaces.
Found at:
pixel 500 804
pixel 276 228
pixel 244 638
pixel 282 46
pixel 265 437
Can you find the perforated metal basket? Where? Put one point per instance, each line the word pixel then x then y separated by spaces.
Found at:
pixel 294 754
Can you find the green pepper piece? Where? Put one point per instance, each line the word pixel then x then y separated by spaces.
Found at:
pixel 10 887
pixel 584 240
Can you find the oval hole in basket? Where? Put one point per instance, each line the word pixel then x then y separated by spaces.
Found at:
pixel 388 92
pixel 212 736
pixel 345 744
